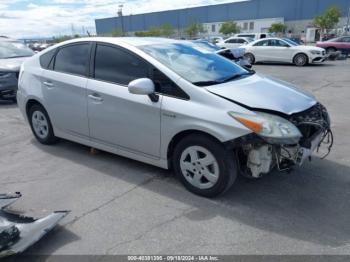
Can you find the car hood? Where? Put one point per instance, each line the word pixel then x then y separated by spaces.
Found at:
pixel 309 48
pixel 261 92
pixel 12 64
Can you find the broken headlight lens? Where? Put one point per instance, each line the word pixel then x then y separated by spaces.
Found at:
pixel 272 128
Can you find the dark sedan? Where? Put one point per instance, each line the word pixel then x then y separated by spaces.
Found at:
pixel 12 55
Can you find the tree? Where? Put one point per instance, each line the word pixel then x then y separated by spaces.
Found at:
pixel 167 30
pixel 277 28
pixel 194 29
pixel 117 33
pixel 229 28
pixel 328 20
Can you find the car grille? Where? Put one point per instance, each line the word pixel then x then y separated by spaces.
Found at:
pixel 311 121
pixel 17 75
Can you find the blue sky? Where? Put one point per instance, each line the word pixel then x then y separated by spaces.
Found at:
pixel 42 18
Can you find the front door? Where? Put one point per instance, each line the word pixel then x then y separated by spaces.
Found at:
pixel 118 118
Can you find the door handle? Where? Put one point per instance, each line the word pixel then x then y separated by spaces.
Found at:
pixel 48 84
pixel 95 97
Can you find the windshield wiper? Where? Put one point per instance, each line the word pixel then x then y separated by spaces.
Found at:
pixel 229 79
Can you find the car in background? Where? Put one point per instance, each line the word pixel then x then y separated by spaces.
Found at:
pixel 234 54
pixel 255 36
pixel 336 44
pixel 12 54
pixel 283 50
pixel 234 42
pixel 166 103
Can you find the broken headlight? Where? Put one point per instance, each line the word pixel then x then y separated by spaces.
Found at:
pixel 272 128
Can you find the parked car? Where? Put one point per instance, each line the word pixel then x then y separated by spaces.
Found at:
pixel 234 54
pixel 255 36
pixel 234 42
pixel 166 103
pixel 283 50
pixel 12 55
pixel 336 44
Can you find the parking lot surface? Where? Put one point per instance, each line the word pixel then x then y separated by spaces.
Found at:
pixel 120 206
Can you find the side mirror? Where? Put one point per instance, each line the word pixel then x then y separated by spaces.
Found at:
pixel 143 86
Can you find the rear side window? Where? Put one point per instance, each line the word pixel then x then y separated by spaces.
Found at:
pixel 73 59
pixel 45 59
pixel 231 41
pixel 262 43
pixel 118 66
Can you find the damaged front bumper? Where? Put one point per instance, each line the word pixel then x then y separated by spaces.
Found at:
pixel 17 233
pixel 258 156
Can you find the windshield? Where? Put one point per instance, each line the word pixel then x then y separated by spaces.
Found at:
pixel 14 49
pixel 197 67
pixel 290 42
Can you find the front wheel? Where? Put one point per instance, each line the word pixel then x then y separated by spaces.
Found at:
pixel 301 60
pixel 204 166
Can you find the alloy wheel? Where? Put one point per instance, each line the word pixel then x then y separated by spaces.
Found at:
pixel 199 167
pixel 40 124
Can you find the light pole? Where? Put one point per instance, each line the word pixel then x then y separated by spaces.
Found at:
pixel 348 23
pixel 120 14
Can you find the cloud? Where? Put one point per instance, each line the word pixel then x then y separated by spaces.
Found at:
pixel 44 18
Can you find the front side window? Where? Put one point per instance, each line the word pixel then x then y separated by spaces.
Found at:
pixel 73 59
pixel 13 49
pixel 197 67
pixel 118 66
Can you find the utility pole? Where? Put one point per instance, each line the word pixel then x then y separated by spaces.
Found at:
pixel 120 14
pixel 348 23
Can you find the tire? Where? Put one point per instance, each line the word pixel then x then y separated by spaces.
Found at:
pixel 331 50
pixel 301 60
pixel 250 57
pixel 41 125
pixel 220 168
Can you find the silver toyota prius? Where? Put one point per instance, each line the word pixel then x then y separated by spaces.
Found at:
pixel 169 104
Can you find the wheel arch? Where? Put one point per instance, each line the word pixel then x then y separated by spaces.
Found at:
pixel 31 102
pixel 301 53
pixel 181 135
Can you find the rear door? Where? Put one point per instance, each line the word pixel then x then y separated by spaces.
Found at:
pixel 118 118
pixel 64 89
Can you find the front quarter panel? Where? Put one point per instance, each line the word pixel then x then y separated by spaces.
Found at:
pixel 204 112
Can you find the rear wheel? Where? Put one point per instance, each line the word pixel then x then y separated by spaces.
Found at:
pixel 301 60
pixel 204 166
pixel 41 125
pixel 250 58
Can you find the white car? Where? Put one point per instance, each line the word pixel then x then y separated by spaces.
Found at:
pixel 255 36
pixel 234 42
pixel 283 50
